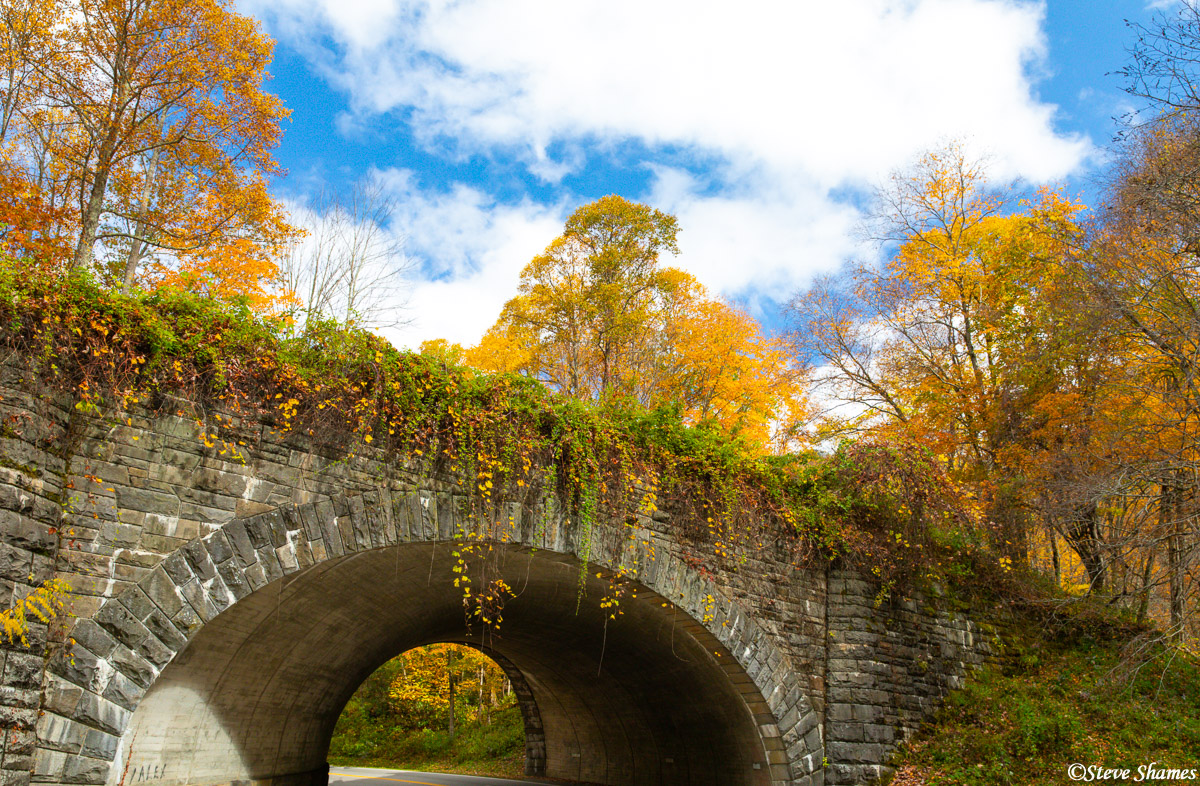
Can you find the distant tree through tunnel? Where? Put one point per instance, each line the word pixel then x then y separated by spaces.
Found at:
pixel 440 708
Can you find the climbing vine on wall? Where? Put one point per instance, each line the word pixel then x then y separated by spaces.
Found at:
pixel 505 437
pixel 43 604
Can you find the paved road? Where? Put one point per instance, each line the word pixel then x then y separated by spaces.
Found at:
pixel 364 776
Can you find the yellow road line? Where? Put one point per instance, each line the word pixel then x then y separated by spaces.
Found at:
pixel 399 780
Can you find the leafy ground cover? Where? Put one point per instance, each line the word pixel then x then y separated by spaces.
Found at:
pixel 497 749
pixel 1076 691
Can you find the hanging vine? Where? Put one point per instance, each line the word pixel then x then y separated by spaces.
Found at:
pixel 506 438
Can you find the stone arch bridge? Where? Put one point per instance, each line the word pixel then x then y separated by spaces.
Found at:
pixel 225 611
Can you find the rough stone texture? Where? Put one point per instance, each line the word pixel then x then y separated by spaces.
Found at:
pixel 225 610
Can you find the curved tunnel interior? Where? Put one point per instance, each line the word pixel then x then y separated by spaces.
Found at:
pixel 649 697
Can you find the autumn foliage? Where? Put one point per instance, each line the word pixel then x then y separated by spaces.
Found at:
pixel 505 437
pixel 430 677
pixel 598 318
pixel 136 141
pixel 1045 357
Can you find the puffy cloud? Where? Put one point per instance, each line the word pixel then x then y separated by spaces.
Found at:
pixel 842 90
pixel 793 103
pixel 471 250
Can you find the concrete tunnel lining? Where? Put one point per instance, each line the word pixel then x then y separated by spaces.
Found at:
pixel 651 697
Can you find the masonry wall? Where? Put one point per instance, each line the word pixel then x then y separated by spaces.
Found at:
pixel 889 663
pixel 116 503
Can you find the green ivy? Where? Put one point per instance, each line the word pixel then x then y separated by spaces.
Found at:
pixel 888 509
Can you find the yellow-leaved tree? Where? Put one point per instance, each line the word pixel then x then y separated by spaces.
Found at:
pixel 974 339
pixel 599 318
pixel 443 685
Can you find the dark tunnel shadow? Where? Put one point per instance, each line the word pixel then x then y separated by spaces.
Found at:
pixel 650 697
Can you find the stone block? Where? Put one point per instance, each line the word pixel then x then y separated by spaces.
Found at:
pixel 234 579
pixel 176 567
pixel 187 620
pixel 162 591
pixel 121 624
pixel 121 534
pixel 874 732
pixel 286 554
pixel 164 630
pixel 256 576
pixel 345 531
pixel 198 560
pixel 324 511
pixel 99 745
pixel 49 765
pixel 304 555
pixel 85 770
pixel 133 666
pixel 275 527
pixel 194 593
pixel 62 697
pixel 308 518
pixel 60 734
pixel 292 520
pixel 258 531
pixel 20 742
pixel 136 601
pixel 100 713
pixel 218 547
pixel 855 752
pixel 239 539
pixel 269 561
pixel 19 531
pixel 15 563
pixel 840 731
pixel 148 501
pixel 22 670
pixel 123 691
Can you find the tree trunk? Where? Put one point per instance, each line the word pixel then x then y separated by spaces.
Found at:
pixel 482 676
pixel 1170 519
pixel 1084 537
pixel 1055 558
pixel 89 225
pixel 450 678
pixel 1144 600
pixel 137 246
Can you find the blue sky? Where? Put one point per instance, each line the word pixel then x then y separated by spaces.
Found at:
pixel 763 130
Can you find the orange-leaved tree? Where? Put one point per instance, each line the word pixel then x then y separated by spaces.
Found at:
pixel 148 121
pixel 1143 263
pixel 35 220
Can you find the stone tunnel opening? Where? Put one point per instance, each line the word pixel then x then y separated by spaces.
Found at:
pixel 650 697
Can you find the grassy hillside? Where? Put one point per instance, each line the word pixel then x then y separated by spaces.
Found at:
pixel 1078 689
pixel 497 749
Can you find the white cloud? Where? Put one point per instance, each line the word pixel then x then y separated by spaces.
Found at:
pixel 843 90
pixel 791 100
pixel 473 250
pixel 767 236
